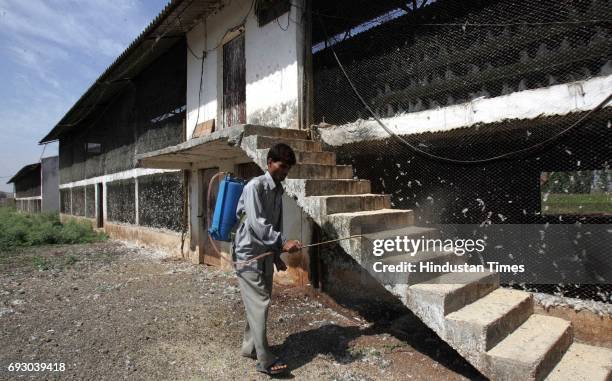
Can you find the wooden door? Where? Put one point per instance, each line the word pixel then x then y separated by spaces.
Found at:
pixel 100 208
pixel 234 82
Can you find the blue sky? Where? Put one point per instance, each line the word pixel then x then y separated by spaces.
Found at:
pixel 51 51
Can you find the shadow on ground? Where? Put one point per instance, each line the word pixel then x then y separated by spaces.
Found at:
pixel 333 340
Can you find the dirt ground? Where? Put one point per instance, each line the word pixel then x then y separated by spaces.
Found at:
pixel 111 311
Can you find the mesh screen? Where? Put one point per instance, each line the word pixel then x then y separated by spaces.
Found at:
pixel 90 201
pixel 78 201
pixel 160 200
pixel 146 115
pixel 120 201
pixel 427 68
pixel 65 200
pixel 28 186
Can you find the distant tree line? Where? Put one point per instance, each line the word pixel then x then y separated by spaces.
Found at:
pixel 588 181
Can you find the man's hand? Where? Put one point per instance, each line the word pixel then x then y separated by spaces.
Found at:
pixel 291 246
pixel 280 265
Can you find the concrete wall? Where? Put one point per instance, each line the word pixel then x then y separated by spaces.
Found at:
pixel 271 67
pixel 50 184
pixel 160 239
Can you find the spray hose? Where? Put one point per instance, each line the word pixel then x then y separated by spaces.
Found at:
pixel 260 256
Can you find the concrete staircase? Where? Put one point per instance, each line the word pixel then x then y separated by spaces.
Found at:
pixel 494 328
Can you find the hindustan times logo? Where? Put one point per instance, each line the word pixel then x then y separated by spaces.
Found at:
pixel 412 245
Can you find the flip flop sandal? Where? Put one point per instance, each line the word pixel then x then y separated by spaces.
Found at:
pixel 271 372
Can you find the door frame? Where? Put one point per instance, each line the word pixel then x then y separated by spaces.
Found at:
pixel 229 37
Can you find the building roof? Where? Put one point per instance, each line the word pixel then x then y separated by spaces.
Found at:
pixel 170 25
pixel 25 171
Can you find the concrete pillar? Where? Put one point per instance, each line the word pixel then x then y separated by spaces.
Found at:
pixel 195 195
pixel 85 200
pixel 96 195
pixel 104 203
pixel 137 220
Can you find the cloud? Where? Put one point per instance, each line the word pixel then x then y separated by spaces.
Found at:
pixel 82 25
pixel 50 53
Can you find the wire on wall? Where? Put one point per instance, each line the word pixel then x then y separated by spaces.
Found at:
pixel 521 152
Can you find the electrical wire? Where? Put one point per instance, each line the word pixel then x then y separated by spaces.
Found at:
pixel 43 152
pixel 200 92
pixel 467 23
pixel 508 155
pixel 228 31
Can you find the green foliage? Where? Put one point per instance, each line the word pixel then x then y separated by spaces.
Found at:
pixel 578 204
pixel 18 230
pixel 41 263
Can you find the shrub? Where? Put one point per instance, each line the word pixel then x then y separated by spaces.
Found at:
pixel 17 230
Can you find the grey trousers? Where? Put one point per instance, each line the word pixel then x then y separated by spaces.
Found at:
pixel 256 291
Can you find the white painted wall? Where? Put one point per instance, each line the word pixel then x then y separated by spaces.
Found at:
pixel 49 184
pixel 529 104
pixel 271 67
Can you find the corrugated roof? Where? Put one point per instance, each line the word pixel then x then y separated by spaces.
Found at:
pixel 170 25
pixel 26 170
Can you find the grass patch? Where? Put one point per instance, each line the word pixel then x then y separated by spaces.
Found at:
pixel 24 230
pixel 577 203
pixel 41 263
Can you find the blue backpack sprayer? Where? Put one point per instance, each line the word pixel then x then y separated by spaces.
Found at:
pixel 224 217
pixel 224 220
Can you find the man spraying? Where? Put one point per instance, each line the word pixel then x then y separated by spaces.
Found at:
pixel 260 210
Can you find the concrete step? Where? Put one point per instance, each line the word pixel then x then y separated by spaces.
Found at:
pixel 532 351
pixel 302 157
pixel 318 171
pixel 369 221
pixel 355 223
pixel 481 325
pixel 405 261
pixel 583 362
pixel 452 291
pixel 411 232
pixel 296 144
pixel 350 203
pixel 305 157
pixel 277 132
pixel 319 187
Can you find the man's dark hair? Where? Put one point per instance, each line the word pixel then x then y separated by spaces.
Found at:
pixel 282 152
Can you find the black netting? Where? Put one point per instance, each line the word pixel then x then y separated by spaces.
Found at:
pixel 65 200
pixel 90 201
pixel 78 201
pixel 160 200
pixel 120 201
pixel 457 81
pixel 28 185
pixel 147 114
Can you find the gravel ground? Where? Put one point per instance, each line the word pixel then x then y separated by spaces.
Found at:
pixel 111 311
